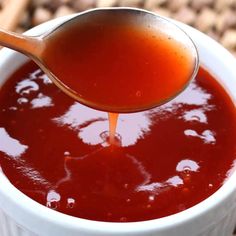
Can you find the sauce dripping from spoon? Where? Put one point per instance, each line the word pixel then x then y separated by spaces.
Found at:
pixel 113 118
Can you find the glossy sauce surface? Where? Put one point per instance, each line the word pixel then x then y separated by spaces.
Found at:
pixel 167 159
pixel 116 66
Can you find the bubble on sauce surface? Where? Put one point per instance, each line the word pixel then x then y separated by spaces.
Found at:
pixel 126 186
pixel 70 202
pixel 151 198
pixel 53 199
pixel 187 166
pixel 210 185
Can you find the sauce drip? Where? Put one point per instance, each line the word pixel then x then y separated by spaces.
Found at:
pixel 170 158
pixel 117 66
pixel 113 118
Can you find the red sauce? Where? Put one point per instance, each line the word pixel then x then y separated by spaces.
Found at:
pixel 117 66
pixel 170 158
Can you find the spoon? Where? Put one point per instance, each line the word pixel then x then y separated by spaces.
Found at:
pixel 73 53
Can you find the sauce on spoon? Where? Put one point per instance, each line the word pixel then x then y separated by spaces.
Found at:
pixel 118 67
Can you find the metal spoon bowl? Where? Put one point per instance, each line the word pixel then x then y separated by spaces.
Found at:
pixel 34 47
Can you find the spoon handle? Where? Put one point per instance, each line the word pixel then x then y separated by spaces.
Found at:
pixel 31 46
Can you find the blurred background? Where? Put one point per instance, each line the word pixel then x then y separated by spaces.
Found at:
pixel 217 18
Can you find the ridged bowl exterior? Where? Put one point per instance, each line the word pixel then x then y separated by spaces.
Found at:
pixel 8 227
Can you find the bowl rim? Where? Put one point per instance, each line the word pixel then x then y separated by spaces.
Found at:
pixel 10 193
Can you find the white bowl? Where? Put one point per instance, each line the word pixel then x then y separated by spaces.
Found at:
pixel 215 216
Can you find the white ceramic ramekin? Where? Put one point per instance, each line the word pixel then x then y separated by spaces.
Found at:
pixel 215 216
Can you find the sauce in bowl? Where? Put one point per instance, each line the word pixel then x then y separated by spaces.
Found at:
pixel 169 158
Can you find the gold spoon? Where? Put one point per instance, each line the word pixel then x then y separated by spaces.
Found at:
pixel 35 48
